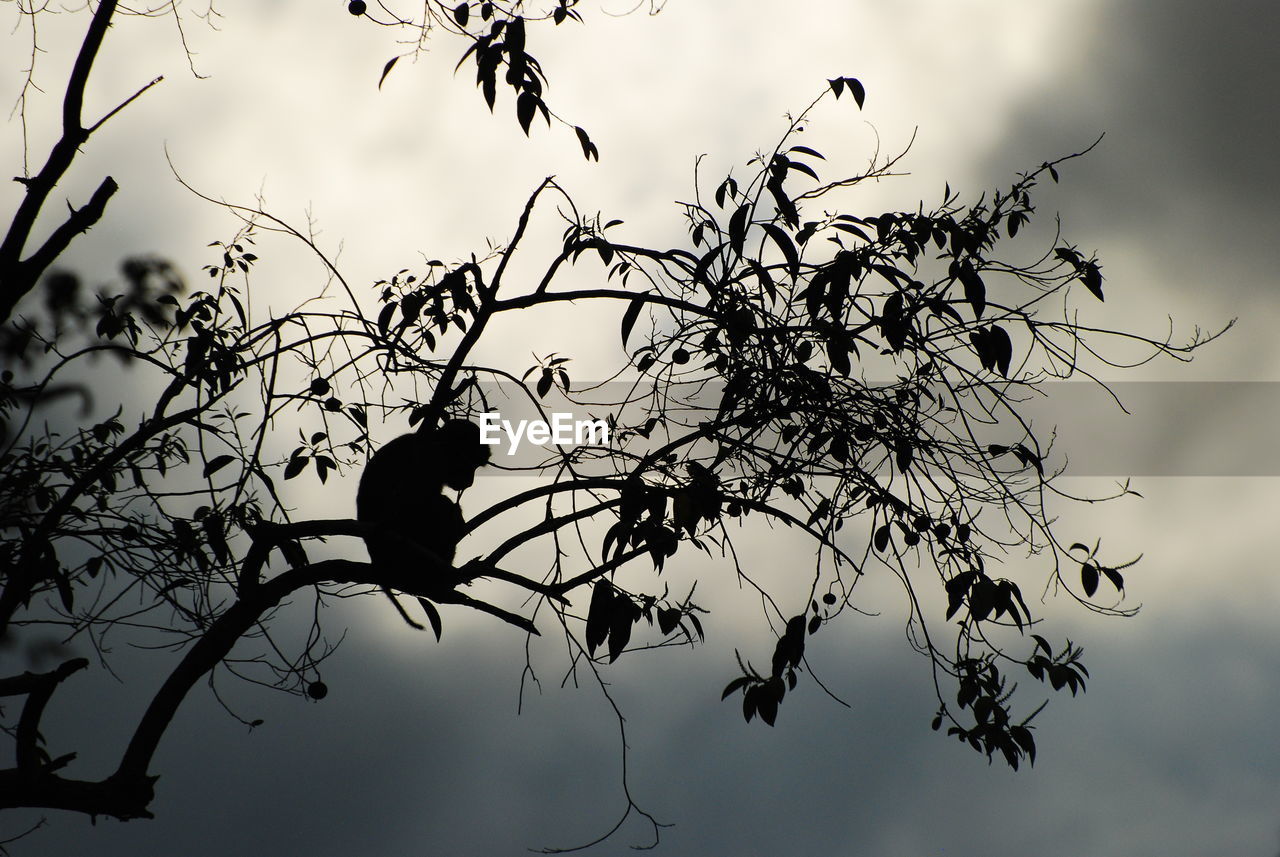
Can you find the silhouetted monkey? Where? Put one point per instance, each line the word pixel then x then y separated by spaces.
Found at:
pixel 400 490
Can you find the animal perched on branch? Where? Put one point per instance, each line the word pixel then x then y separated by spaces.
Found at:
pixel 400 491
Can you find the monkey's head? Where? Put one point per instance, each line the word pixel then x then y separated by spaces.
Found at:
pixel 459 452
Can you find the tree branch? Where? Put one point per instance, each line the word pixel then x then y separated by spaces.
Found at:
pixel 18 277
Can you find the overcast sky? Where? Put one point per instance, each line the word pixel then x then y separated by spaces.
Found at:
pixel 418 749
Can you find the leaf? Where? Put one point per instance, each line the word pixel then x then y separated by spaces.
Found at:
pixel 433 617
pixel 64 590
pixel 461 14
pixel 1026 456
pixel 217 464
pixel 489 86
pixel 544 383
pixel 384 318
pixel 620 624
pixel 975 291
pixel 807 151
pixel 295 466
pixel 734 686
pixel 386 70
pixel 857 90
pixel 697 627
pixel 820 511
pixel 212 525
pixel 768 708
pixel 1092 279
pixel 785 245
pixel 1001 349
pixel 589 150
pixel 803 168
pixel 837 85
pixel 526 107
pixel 902 454
pixel 839 356
pixel 598 614
pixel 738 228
pixel 1022 736
pixel 1116 578
pixel 1066 254
pixel 881 539
pixel 1089 578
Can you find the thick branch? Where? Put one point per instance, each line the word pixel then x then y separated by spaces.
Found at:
pixel 18 277
pixel 39 688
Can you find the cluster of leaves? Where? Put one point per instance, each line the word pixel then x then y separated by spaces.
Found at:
pixel 613 613
pixel 778 310
pixel 148 292
pixel 498 48
pixel 763 694
pixel 983 691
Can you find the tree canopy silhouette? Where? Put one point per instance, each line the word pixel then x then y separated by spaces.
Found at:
pixel 858 377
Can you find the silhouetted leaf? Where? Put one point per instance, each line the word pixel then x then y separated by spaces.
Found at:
pixel 1068 255
pixel 526 107
pixel 384 318
pixel 975 291
pixel 734 686
pixel 855 89
pixel 738 228
pixel 1089 578
pixel 839 356
pixel 820 511
pixel 589 149
pixel 214 532
pixel 433 617
pixel 461 14
pixel 217 464
pixel 295 466
pixel 697 627
pixel 621 622
pixel 386 70
pixel 785 245
pixel 1091 276
pixel 881 539
pixel 1001 349
pixel 599 614
pixel 768 708
pixel 63 585
pixel 804 168
pixel 1116 578
pixel 807 151
pixel 1022 736
pixel 903 452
